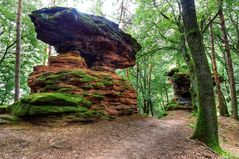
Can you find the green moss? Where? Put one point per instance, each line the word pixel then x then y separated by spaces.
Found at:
pixel 88 116
pixel 98 96
pixel 180 76
pixel 58 99
pixel 91 113
pixel 88 86
pixel 51 78
pixel 85 94
pixel 49 87
pixel 49 103
pixel 118 93
pixel 3 109
pixel 56 88
pixel 106 77
pixel 21 109
pixel 3 106
pixel 98 84
pixel 8 117
pixel 64 89
pixel 107 83
pixel 204 131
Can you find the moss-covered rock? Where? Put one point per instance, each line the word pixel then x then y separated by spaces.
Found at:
pixel 56 99
pixel 98 96
pixel 21 109
pixel 50 77
pixel 81 87
pixel 8 119
pixel 88 116
pixel 49 103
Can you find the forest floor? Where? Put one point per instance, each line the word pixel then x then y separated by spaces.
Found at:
pixel 131 137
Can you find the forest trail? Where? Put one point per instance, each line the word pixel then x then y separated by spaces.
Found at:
pixel 124 138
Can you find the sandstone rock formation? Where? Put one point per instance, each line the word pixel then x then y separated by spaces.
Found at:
pixel 99 41
pixel 81 79
pixel 181 87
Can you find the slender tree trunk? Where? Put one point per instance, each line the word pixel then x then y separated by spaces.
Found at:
pixel 166 93
pixel 127 73
pixel 222 107
pixel 149 89
pixel 207 127
pixel 145 91
pixel 137 77
pixel 18 51
pixel 229 63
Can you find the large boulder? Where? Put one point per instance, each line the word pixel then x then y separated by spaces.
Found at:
pixel 99 41
pixel 81 79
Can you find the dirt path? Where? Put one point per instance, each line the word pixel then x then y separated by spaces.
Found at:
pixel 125 138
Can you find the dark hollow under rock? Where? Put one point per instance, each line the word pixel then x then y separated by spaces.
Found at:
pixel 98 40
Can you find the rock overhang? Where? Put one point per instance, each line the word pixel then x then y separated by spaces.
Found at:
pixel 98 40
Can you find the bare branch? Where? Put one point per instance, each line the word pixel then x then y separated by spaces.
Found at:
pixel 153 51
pixel 210 22
pixel 6 51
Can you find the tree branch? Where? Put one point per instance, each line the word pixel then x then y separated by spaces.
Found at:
pixel 210 22
pixel 6 51
pixel 162 35
pixel 151 52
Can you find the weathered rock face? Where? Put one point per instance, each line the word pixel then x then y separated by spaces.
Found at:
pixel 181 87
pixel 80 80
pixel 106 91
pixel 99 41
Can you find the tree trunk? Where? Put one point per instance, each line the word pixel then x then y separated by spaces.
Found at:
pixel 188 60
pixel 166 93
pixel 207 127
pixel 149 89
pixel 18 51
pixel 222 107
pixel 229 63
pixel 127 72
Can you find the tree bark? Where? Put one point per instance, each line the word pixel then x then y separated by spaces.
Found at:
pixel 207 127
pixel 150 103
pixel 229 63
pixel 221 103
pixel 188 60
pixel 18 51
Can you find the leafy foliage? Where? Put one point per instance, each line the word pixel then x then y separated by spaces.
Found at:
pixel 33 51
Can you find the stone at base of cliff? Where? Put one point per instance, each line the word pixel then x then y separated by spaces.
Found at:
pixel 55 105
